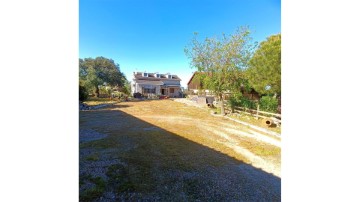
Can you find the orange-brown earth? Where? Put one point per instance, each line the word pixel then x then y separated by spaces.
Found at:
pixel 165 150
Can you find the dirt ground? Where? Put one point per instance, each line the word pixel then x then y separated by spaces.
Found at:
pixel 161 150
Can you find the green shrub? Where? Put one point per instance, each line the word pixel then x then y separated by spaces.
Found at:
pixel 268 104
pixel 83 93
pixel 237 100
pixel 105 90
pixel 247 103
pixel 234 101
pixel 117 94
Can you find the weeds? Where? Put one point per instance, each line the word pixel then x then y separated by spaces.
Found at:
pixel 94 192
pixel 93 157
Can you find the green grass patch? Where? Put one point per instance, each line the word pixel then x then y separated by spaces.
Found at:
pixel 120 179
pixel 257 122
pixel 93 157
pixel 101 144
pixel 94 192
pixel 261 149
pixel 97 101
pixel 91 194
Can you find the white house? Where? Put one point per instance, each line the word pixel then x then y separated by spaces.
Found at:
pixel 156 84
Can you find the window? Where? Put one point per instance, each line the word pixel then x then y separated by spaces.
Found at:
pixel 171 90
pixel 149 90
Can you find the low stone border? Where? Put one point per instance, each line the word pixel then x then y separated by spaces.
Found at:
pixel 83 106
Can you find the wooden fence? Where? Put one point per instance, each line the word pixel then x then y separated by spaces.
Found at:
pixel 256 113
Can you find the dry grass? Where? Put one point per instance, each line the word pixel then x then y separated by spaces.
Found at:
pixel 257 122
pixel 169 151
pixel 92 101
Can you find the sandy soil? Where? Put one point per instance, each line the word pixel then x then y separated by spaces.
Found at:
pixel 178 152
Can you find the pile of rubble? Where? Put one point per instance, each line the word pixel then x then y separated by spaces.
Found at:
pixel 83 106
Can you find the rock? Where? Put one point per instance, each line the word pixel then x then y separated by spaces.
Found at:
pixel 83 106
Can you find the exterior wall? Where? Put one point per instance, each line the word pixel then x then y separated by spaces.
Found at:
pixel 140 88
pixel 156 83
pixel 132 86
pixel 157 91
pixel 170 82
pixel 194 85
pixel 176 92
pixel 163 89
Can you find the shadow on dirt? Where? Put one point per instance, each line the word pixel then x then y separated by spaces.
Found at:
pixel 138 161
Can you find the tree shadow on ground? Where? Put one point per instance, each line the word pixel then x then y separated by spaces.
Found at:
pixel 145 100
pixel 139 161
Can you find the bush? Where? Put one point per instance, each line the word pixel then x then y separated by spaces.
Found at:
pixel 234 101
pixel 83 93
pixel 268 104
pixel 237 100
pixel 105 91
pixel 247 103
pixel 116 94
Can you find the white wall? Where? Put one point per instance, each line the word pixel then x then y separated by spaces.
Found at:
pixel 171 82
pixel 139 87
pixel 157 91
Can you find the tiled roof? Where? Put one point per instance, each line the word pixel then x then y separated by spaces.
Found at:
pixel 150 82
pixel 139 75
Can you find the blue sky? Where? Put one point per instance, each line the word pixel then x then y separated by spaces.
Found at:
pixel 151 35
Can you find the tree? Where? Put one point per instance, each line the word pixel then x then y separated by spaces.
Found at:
pixel 100 71
pixel 83 94
pixel 222 61
pixel 264 72
pixel 127 88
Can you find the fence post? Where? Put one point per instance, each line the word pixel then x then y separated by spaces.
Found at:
pixel 257 111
